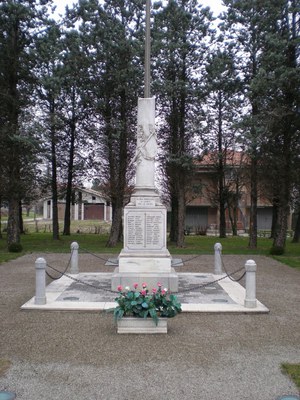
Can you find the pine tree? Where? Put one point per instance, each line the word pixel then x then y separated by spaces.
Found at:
pixel 112 42
pixel 222 110
pixel 178 48
pixel 278 83
pixel 244 27
pixel 75 148
pixel 48 90
pixel 19 22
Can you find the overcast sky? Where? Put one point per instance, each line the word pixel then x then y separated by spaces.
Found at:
pixel 215 5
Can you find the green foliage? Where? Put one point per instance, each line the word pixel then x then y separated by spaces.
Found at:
pixel 143 304
pixel 112 36
pixel 293 371
pixel 15 248
pixel 19 20
pixel 179 45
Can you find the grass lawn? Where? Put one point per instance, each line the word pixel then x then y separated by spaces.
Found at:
pixel 293 371
pixel 4 366
pixel 96 243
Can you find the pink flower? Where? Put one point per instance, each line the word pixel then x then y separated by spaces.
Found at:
pixel 119 288
pixel 163 292
pixel 144 285
pixel 154 290
pixel 143 292
pixel 159 284
pixel 135 285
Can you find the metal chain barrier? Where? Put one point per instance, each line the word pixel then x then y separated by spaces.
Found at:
pixel 61 273
pixel 93 254
pixel 186 261
pixel 208 283
pixel 78 280
pixel 230 277
pixel 106 260
pixel 197 287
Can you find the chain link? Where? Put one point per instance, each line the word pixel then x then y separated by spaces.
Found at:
pixel 93 254
pixel 186 261
pixel 80 281
pixel 61 273
pixel 230 277
pixel 106 260
pixel 208 283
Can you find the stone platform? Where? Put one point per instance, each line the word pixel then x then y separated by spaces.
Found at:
pixel 198 292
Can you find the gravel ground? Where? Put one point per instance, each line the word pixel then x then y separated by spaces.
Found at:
pixel 78 355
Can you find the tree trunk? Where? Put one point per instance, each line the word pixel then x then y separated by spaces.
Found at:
pixel 288 134
pixel 181 216
pixel 115 234
pixel 233 219
pixel 222 222
pixel 55 225
pixel 296 237
pixel 222 232
pixel 253 207
pixel 13 224
pixel 174 219
pixel 118 177
pixel 1 218
pixel 235 209
pixel 274 217
pixel 21 219
pixel 67 219
pixel 281 229
pixel 285 192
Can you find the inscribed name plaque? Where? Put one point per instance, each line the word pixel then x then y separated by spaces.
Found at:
pixel 144 202
pixel 144 230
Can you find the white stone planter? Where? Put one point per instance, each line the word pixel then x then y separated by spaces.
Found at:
pixel 141 325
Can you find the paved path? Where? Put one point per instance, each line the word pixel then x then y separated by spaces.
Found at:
pixel 78 355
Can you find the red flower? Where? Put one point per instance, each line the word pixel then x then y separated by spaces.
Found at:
pixel 119 288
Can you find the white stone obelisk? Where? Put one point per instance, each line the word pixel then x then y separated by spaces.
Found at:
pixel 145 257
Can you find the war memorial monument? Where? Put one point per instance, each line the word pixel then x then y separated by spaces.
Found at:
pixel 145 257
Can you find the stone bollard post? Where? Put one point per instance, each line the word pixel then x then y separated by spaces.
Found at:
pixel 250 298
pixel 40 281
pixel 74 258
pixel 218 258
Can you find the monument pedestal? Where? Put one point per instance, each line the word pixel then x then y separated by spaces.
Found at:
pixel 145 257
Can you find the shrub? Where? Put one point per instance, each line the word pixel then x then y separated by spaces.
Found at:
pixel 15 248
pixel 277 251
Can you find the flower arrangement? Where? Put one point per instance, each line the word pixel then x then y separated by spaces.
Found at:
pixel 145 304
